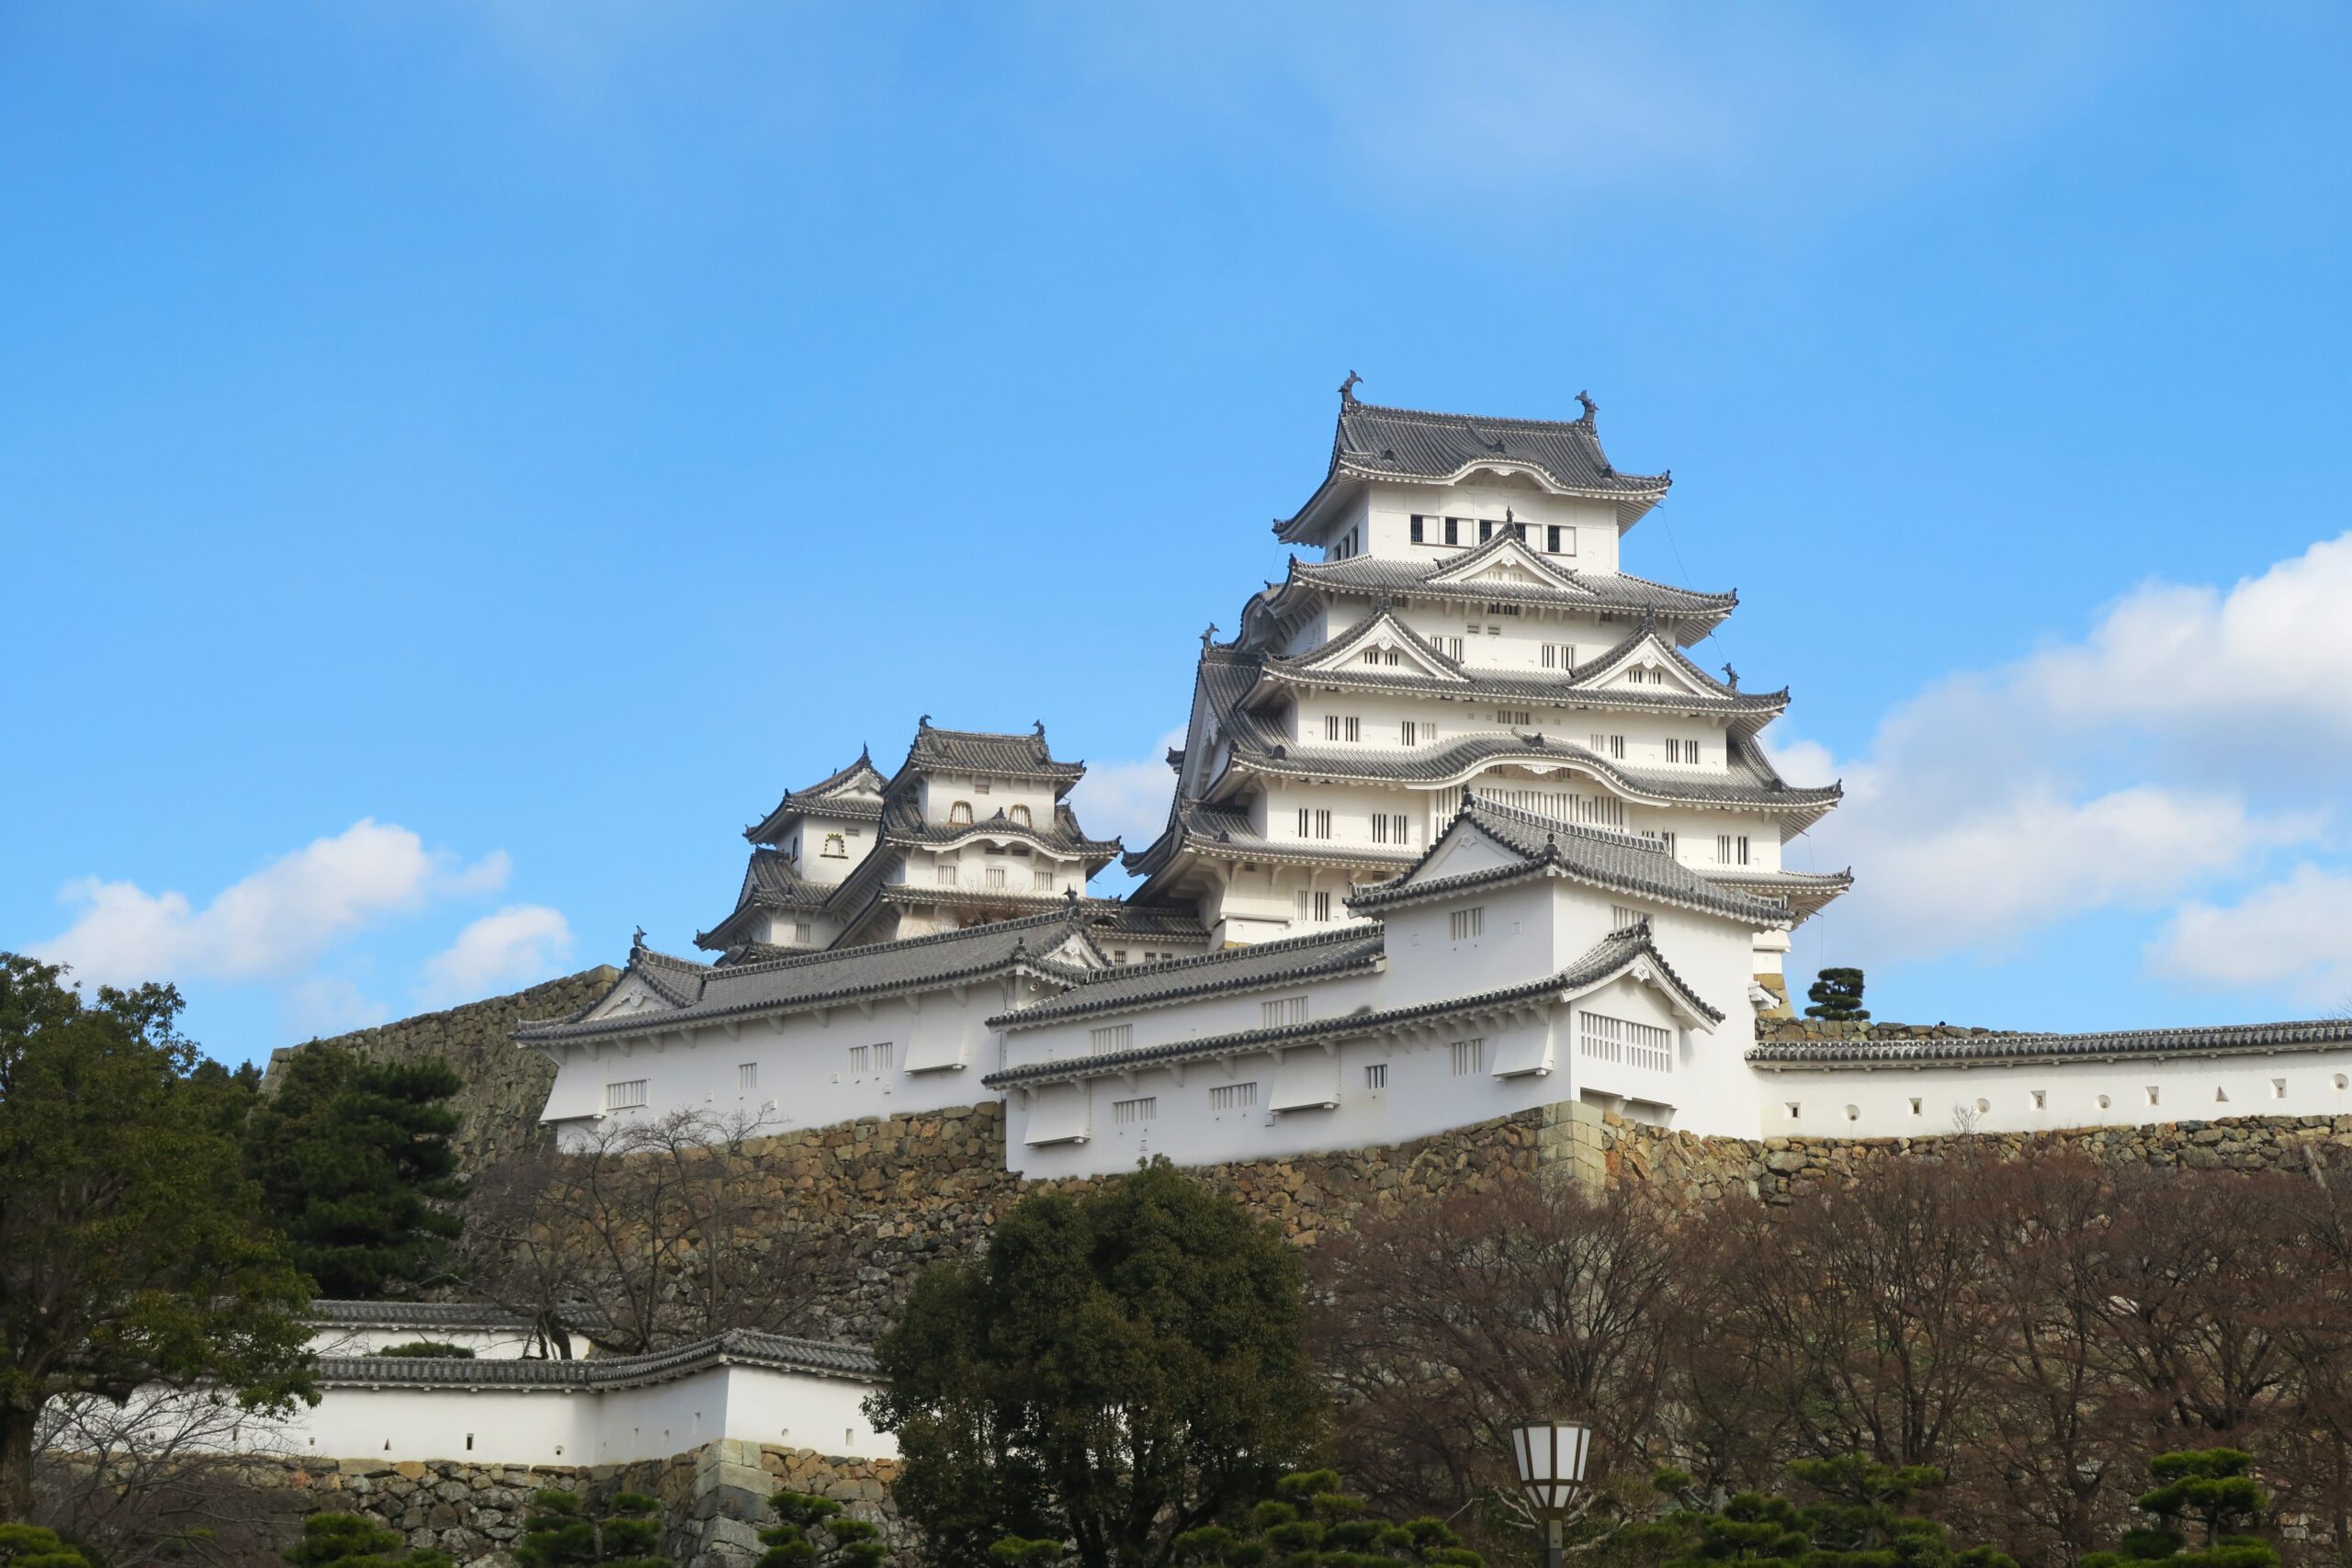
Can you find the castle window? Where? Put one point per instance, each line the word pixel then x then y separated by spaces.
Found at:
pixel 1125 1112
pixel 1282 1011
pixel 747 1077
pixel 836 847
pixel 1519 532
pixel 1521 717
pixel 627 1096
pixel 1468 1056
pixel 1338 726
pixel 992 849
pixel 1233 1097
pixel 2151 1094
pixel 1622 1040
pixel 946 875
pixel 1730 851
pixel 1559 655
pixel 960 812
pixel 1449 646
pixel 996 877
pixel 1418 521
pixel 981 786
pixel 1795 1110
pixel 1914 1104
pixel 1118 955
pixel 800 931
pixel 2278 1088
pixel 1611 746
pixel 1464 925
pixel 1502 609
pixel 1021 817
pixel 1041 882
pixel 2041 1100
pixel 1621 917
pixel 1560 541
pixel 1375 1074
pixel 1485 529
pixel 1409 733
pixel 1313 906
pixel 1110 1037
pixel 1388 829
pixel 1454 530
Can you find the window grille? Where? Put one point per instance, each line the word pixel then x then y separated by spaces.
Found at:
pixel 1144 1107
pixel 1621 917
pixel 1375 1074
pixel 996 877
pixel 1612 746
pixel 1520 716
pixel 801 931
pixel 747 1077
pixel 1469 1057
pixel 1465 924
pixel 1282 1011
pixel 1020 817
pixel 1110 1037
pixel 1233 1097
pixel 629 1096
pixel 836 847
pixel 1040 881
pixel 1409 733
pixel 1607 1038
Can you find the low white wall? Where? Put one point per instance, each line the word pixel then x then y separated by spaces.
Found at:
pixel 2030 1097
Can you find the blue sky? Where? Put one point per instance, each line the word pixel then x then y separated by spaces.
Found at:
pixel 458 463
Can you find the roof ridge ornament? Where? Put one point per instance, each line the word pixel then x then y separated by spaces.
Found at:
pixel 1209 636
pixel 1731 676
pixel 1347 388
pixel 1590 408
pixel 636 943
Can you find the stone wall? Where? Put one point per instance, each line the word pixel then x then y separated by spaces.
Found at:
pixel 714 1500
pixel 505 1085
pixel 894 1194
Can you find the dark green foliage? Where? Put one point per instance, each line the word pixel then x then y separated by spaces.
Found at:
pixel 1859 1522
pixel 814 1532
pixel 2216 1488
pixel 355 1163
pixel 1312 1524
pixel 29 1546
pixel 133 1250
pixel 353 1540
pixel 561 1529
pixel 1837 997
pixel 1117 1368
pixel 429 1349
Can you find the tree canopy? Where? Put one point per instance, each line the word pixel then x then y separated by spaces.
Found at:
pixel 1837 997
pixel 132 1249
pixel 2216 1488
pixel 561 1531
pixel 1116 1370
pixel 353 1540
pixel 355 1163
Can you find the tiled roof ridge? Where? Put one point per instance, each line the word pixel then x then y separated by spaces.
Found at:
pixel 1320 574
pixel 1584 425
pixel 2193 1040
pixel 932 939
pixel 1353 1023
pixel 1647 631
pixel 1509 686
pixel 864 760
pixel 817 1357
pixel 1383 611
pixel 337 1309
pixel 1076 1003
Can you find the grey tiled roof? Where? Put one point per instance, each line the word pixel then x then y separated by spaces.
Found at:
pixel 414 1314
pixel 1804 890
pixel 1346 950
pixel 1116 918
pixel 1613 592
pixel 707 993
pixel 1623 863
pixel 738 1347
pixel 796 801
pixel 984 751
pixel 2233 1039
pixel 1615 954
pixel 1229 833
pixel 1376 442
pixel 903 824
pixel 1465 682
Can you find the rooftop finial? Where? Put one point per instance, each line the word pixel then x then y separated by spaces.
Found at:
pixel 1590 408
pixel 636 943
pixel 1069 897
pixel 1731 677
pixel 1208 637
pixel 1347 388
pixel 923 723
pixel 1041 727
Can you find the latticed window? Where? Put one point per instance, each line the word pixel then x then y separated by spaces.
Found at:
pixel 1110 1037
pixel 1233 1097
pixel 1465 924
pixel 1144 1107
pixel 625 1096
pixel 960 812
pixel 1281 1011
pixel 1607 1038
pixel 1468 1056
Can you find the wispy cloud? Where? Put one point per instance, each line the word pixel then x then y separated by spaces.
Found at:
pixel 2118 772
pixel 514 947
pixel 1128 800
pixel 271 924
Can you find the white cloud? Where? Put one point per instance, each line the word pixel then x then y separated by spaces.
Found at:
pixel 2296 932
pixel 269 924
pixel 1128 800
pixel 514 947
pixel 1991 805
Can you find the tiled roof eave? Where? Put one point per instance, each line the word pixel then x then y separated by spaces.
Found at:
pixel 2234 1039
pixel 1011 1023
pixel 1510 689
pixel 1755 911
pixel 739 1348
pixel 1311 1033
pixel 1323 764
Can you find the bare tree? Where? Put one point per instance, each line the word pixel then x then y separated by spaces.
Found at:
pixel 650 1234
pixel 183 1476
pixel 1445 1326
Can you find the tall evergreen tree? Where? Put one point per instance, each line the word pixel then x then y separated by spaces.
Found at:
pixel 2216 1488
pixel 561 1531
pixel 132 1249
pixel 355 1163
pixel 1116 1370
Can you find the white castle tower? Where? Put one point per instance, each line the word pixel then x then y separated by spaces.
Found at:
pixel 1463 624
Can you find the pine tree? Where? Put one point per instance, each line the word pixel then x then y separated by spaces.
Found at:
pixel 355 1163
pixel 797 1543
pixel 2215 1487
pixel 1837 997
pixel 353 1540
pixel 561 1531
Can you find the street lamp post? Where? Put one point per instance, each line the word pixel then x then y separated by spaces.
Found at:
pixel 1551 1457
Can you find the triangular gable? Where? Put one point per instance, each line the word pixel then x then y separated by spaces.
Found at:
pixel 1078 951
pixel 1649 652
pixel 1403 650
pixel 1645 969
pixel 632 995
pixel 863 780
pixel 1504 562
pixel 1462 850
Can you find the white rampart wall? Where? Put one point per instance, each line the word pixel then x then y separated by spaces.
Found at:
pixel 1884 1102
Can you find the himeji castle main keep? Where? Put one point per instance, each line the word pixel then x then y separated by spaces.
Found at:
pixel 1460 827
